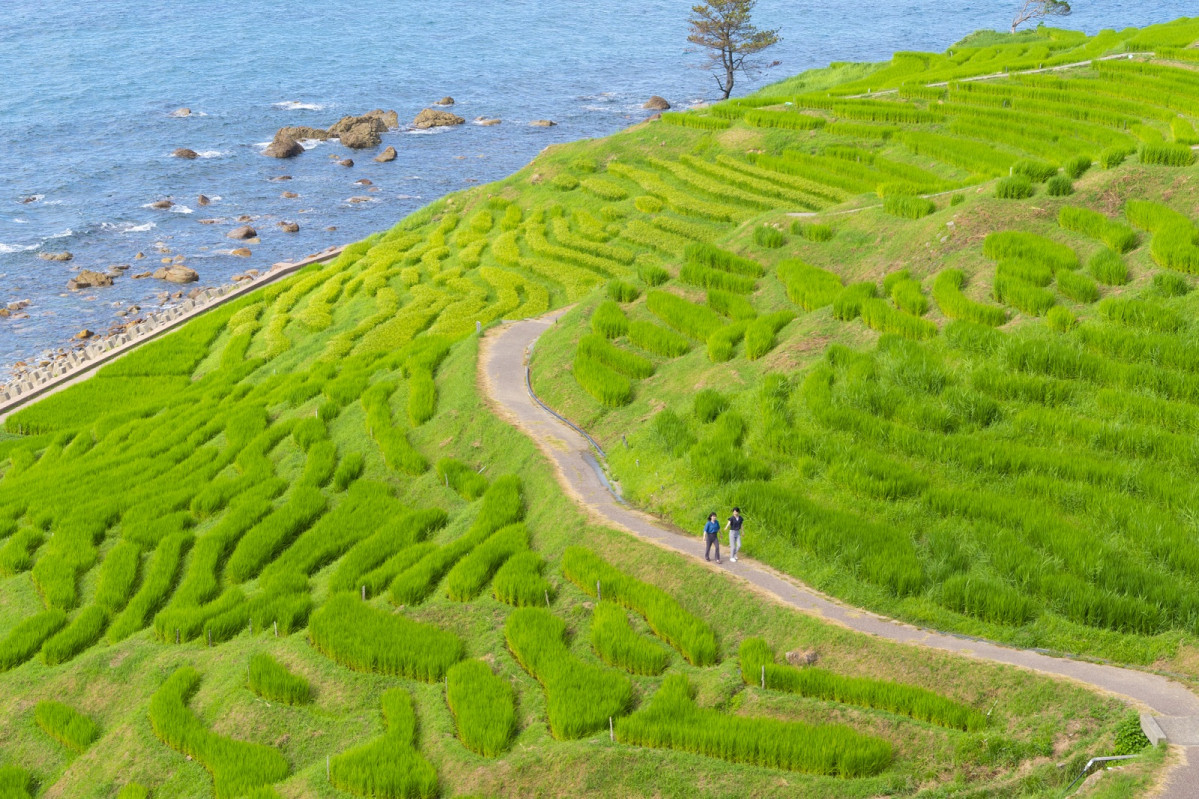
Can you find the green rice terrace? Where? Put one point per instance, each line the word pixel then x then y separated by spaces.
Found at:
pixel 933 333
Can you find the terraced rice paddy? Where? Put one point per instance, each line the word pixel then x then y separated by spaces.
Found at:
pixel 297 510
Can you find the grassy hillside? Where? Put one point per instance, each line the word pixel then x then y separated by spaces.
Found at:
pixel 287 550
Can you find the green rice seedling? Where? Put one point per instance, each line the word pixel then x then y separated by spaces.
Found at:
pixel 685 317
pixel 619 645
pixel 565 182
pixel 1120 238
pixel 363 638
pixel 807 286
pixel 647 204
pixel 1107 267
pixel 814 232
pixel 710 403
pixel 1077 166
pixel 973 337
pixel 669 433
pixel 848 305
pixel 609 387
pixel 380 577
pixel 1022 295
pixel 389 767
pixel 788 120
pixel 66 725
pixel 397 450
pixel 1112 157
pixel 650 272
pixel 760 333
pixel 692 637
pixel 265 540
pixel 702 277
pixel 604 188
pixel 723 342
pixel 1077 287
pixel 1175 155
pixel 1033 272
pixel 271 680
pixel 470 575
pixel 237 767
pixel 502 505
pixel 731 305
pixel 1031 247
pixel 1059 186
pixel 1036 171
pixel 988 599
pixel 947 291
pixel 484 707
pixel 83 631
pixel 580 697
pixel 956 199
pixel 716 258
pixel 118 575
pixel 908 207
pixel 908 296
pixel 320 464
pixel 620 291
pixel 769 236
pixel 519 582
pixel 609 321
pixel 758 666
pixel 691 120
pixel 1183 131
pixel 672 720
pixel 626 363
pixel 467 482
pixel 348 470
pixel 658 340
pixel 1016 187
pixel 422 397
pixel 1168 284
pixel 881 316
pixel 16 783
pixel 1060 318
pixel 308 431
pixel 158 579
pixel 1141 313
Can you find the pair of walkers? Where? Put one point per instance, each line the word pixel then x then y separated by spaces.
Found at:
pixel 712 535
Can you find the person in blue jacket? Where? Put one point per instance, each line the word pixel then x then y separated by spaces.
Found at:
pixel 712 537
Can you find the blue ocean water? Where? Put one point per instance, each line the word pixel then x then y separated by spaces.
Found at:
pixel 87 90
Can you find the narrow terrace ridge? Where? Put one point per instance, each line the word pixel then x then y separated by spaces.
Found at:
pixel 1173 709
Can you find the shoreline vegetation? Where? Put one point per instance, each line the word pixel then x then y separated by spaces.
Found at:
pixel 969 411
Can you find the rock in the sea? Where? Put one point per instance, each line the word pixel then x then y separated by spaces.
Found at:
pixel 364 182
pixel 176 274
pixel 331 228
pixel 388 154
pixel 389 118
pixel 289 195
pixel 280 178
pixel 161 205
pixel 445 101
pixel 359 199
pixel 346 162
pixel 202 200
pixel 487 121
pixel 209 221
pixel 289 227
pixel 243 232
pixel 87 279
pixel 543 123
pixel 84 335
pixel 186 152
pixel 361 135
pixel 241 252
pixel 431 118
pixel 181 112
pixel 299 132
pixel 55 256
pixel 283 147
pixel 139 256
pixel 657 103
pixel 244 218
pixel 373 121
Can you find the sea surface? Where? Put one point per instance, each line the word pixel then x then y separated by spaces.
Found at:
pixel 87 91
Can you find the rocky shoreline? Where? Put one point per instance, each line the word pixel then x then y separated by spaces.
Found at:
pixel 31 380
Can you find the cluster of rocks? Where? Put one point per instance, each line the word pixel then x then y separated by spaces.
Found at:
pixel 356 132
pixel 14 310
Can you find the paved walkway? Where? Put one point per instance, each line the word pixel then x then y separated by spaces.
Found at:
pixel 503 358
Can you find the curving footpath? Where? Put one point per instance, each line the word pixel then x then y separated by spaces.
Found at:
pixel 1173 710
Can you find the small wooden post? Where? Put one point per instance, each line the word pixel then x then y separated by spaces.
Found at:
pixel 763 675
pixel 251 625
pixel 178 635
pixel 210 636
pixel 611 730
pixel 598 595
pixel 363 593
pixel 277 632
pixel 547 597
pixel 327 775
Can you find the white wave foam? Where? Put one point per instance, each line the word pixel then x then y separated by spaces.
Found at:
pixel 262 145
pixel 52 202
pixel 65 234
pixel 33 198
pixel 295 105
pixel 209 153
pixel 430 131
pixel 180 209
pixel 16 221
pixel 407 196
pixel 308 144
pixel 139 228
pixel 7 248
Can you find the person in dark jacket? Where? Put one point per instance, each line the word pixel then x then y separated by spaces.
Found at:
pixel 712 537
